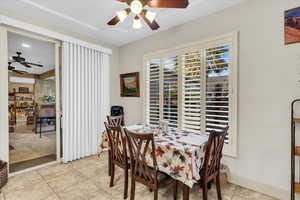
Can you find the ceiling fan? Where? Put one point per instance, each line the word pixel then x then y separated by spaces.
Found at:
pixel 13 69
pixel 22 61
pixel 137 7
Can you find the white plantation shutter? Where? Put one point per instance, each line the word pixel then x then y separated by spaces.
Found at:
pixel 196 89
pixel 170 90
pixel 153 98
pixel 217 87
pixel 191 91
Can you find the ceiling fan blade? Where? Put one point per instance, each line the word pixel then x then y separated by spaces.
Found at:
pixel 25 64
pixel 38 65
pixel 168 3
pixel 114 21
pixel 154 25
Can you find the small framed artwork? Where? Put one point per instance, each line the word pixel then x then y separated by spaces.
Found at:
pixel 292 26
pixel 130 84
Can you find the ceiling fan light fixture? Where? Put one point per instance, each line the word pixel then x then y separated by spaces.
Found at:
pixel 122 15
pixel 150 16
pixel 26 45
pixel 137 24
pixel 136 7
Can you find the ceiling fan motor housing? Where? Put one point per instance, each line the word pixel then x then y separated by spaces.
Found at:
pixel 144 2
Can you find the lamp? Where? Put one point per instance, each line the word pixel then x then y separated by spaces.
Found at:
pixel 136 7
pixel 137 24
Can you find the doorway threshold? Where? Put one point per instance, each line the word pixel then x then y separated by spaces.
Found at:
pixel 20 166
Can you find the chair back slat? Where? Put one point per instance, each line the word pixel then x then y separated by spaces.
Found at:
pixel 213 155
pixel 115 120
pixel 117 144
pixel 141 145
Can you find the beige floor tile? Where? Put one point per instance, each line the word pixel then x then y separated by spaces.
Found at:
pixel 22 181
pixel 102 182
pixel 29 145
pixel 102 196
pixel 246 194
pixel 90 169
pixel 2 196
pixel 83 191
pixel 55 171
pixel 87 179
pixel 60 183
pixel 53 197
pixel 227 192
pixel 32 191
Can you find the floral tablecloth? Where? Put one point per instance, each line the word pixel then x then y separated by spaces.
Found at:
pixel 179 153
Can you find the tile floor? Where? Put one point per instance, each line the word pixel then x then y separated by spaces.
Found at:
pixel 28 146
pixel 87 179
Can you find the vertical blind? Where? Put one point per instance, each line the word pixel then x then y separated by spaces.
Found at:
pixel 84 99
pixel 191 89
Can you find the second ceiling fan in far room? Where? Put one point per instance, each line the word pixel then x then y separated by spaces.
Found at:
pixel 19 59
pixel 137 7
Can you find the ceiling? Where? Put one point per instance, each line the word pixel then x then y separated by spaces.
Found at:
pixel 89 17
pixel 40 52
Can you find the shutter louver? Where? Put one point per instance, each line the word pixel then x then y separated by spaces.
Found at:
pixel 170 90
pixel 191 92
pixel 154 92
pixel 217 88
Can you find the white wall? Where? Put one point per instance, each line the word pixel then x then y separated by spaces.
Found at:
pixel 268 81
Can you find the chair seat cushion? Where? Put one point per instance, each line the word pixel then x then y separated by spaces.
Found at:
pixel 162 177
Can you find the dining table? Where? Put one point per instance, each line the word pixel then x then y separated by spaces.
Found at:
pixel 179 153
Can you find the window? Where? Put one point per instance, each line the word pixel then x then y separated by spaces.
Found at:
pixel 170 90
pixel 194 87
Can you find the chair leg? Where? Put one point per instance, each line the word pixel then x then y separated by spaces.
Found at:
pixel 185 191
pixel 156 194
pixel 112 177
pixel 175 190
pixel 132 192
pixel 209 185
pixel 204 190
pixel 109 163
pixel 126 184
pixel 218 185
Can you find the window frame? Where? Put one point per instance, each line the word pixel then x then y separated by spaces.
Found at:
pixel 230 39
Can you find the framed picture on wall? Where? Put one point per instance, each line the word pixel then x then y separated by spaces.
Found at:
pixel 292 26
pixel 130 84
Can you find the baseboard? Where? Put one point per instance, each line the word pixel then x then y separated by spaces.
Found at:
pixel 275 192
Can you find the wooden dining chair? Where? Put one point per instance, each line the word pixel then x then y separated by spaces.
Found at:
pixel 116 120
pixel 141 145
pixel 117 143
pixel 212 161
pixel 113 121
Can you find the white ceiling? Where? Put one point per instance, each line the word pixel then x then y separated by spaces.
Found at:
pixel 40 52
pixel 89 17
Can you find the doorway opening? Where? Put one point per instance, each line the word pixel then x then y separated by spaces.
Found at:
pixel 32 102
